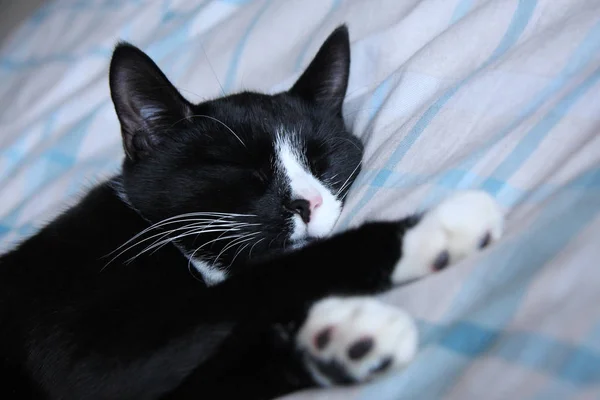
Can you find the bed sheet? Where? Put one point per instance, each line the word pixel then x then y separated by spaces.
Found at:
pixel 499 95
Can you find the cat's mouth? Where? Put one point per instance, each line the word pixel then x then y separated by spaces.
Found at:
pixel 319 225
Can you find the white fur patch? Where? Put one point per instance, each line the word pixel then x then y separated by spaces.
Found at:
pixel 392 331
pixel 210 274
pixel 457 225
pixel 304 185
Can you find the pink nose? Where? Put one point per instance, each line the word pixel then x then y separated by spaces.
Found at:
pixel 315 202
pixel 306 207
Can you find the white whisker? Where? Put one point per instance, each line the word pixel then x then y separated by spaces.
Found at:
pixel 169 240
pixel 348 181
pixel 236 242
pixel 252 248
pixel 174 220
pixel 216 120
pixel 222 224
pixel 238 252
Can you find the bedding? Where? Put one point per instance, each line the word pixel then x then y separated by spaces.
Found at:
pixel 499 95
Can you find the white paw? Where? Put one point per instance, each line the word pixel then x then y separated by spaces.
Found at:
pixel 459 226
pixel 354 339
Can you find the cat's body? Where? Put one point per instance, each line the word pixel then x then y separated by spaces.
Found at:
pixel 221 295
pixel 127 312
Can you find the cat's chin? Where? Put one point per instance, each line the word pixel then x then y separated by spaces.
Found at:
pixel 303 242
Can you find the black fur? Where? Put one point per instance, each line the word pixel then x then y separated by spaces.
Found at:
pixel 77 324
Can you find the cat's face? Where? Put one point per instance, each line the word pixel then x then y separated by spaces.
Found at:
pixel 241 176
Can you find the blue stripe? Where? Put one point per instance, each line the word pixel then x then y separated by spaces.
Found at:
pixel 166 44
pixel 574 363
pixel 535 136
pixel 17 152
pixel 383 90
pixel 490 297
pixel 170 14
pixel 518 24
pixel 510 267
pixel 561 390
pixel 509 196
pixel 379 96
pixel 497 183
pixel 463 7
pixel 459 178
pixel 237 53
pixel 236 2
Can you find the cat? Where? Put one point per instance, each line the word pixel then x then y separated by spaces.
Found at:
pixel 206 268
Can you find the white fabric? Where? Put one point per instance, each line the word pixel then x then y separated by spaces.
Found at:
pixel 500 95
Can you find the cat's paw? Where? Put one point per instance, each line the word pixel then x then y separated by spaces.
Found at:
pixel 461 225
pixel 354 339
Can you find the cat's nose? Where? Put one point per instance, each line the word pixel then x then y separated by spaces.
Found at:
pixel 304 208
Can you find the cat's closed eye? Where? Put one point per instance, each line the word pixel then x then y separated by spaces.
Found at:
pixel 261 176
pixel 318 165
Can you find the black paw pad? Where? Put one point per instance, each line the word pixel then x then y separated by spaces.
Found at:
pixel 384 364
pixel 442 261
pixel 322 338
pixel 360 348
pixel 485 240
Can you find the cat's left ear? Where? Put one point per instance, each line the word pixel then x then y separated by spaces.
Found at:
pixel 146 103
pixel 325 80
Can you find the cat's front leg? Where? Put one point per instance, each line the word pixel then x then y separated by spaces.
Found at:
pixel 355 339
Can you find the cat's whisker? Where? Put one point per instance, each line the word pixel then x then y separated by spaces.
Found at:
pixel 163 234
pixel 170 240
pixel 220 237
pixel 236 242
pixel 174 220
pixel 192 225
pixel 192 230
pixel 348 181
pixel 237 253
pixel 157 245
pixel 189 234
pixel 212 69
pixel 338 138
pixel 253 246
pixel 274 239
pixel 214 119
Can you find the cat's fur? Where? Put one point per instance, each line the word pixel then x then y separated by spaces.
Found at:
pixel 85 313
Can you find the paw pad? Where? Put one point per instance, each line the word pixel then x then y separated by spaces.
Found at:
pixel 485 241
pixel 384 364
pixel 360 348
pixel 441 261
pixel 322 338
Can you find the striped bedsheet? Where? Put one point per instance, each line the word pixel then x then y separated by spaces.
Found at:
pixel 500 95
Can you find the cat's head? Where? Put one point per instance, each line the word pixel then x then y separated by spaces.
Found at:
pixel 243 175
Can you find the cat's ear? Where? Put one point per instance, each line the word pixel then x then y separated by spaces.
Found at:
pixel 325 80
pixel 147 104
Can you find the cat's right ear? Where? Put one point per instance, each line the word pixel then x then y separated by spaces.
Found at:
pixel 325 80
pixel 147 104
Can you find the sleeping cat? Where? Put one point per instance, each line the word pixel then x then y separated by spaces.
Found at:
pixel 204 269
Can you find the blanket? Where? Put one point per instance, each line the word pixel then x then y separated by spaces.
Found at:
pixel 499 95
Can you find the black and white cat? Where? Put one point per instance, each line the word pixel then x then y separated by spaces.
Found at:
pixel 230 287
